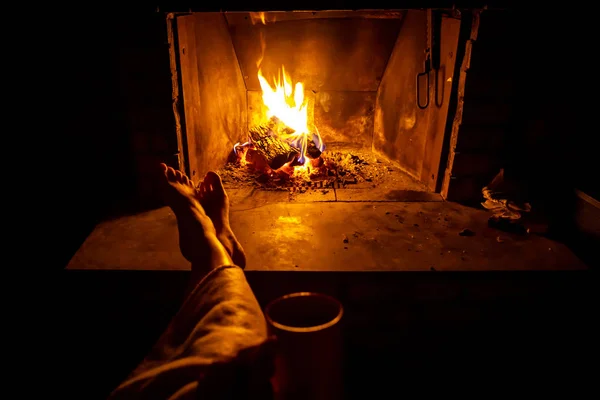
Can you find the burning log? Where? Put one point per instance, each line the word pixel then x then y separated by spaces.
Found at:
pixel 312 150
pixel 276 151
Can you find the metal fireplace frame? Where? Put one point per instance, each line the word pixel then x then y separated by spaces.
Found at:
pixel 439 180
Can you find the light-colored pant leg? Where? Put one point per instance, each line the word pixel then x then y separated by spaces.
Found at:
pixel 220 318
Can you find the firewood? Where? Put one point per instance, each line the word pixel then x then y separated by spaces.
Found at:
pixel 276 151
pixel 312 150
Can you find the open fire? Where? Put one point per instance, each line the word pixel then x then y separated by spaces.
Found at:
pixel 288 100
pixel 284 146
pixel 283 150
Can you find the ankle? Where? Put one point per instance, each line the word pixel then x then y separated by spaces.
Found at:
pixel 213 254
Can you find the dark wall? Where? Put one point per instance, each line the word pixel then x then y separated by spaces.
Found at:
pixel 489 92
pixel 526 111
pixel 115 122
pixel 92 143
pixel 551 145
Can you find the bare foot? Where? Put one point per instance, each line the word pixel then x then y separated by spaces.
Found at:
pixel 215 202
pixel 197 235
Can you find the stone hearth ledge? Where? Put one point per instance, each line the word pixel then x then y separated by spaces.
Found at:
pixel 337 236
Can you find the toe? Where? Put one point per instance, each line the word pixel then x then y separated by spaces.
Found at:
pixel 215 181
pixel 179 176
pixel 171 174
pixel 207 184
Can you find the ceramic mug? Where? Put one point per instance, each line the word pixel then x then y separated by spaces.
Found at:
pixel 308 364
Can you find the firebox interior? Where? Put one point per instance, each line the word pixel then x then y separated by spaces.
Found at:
pixel 359 71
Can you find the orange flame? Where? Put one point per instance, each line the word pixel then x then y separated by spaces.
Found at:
pixel 286 102
pixel 258 16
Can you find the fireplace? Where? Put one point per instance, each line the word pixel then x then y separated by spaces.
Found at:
pixel 325 105
pixel 347 140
